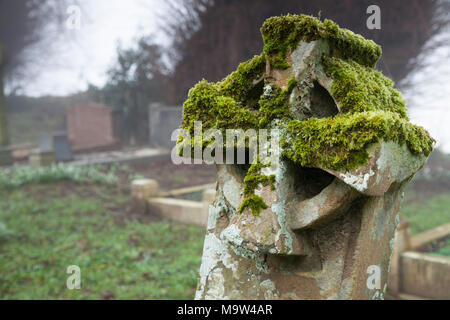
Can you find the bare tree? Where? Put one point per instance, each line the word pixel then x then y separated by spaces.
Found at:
pixel 24 25
pixel 211 37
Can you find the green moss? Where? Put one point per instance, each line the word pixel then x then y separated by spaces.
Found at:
pixel 274 104
pixel 281 34
pixel 207 104
pixel 225 104
pixel 251 182
pixel 292 83
pixel 370 108
pixel 358 88
pixel 255 203
pixel 211 104
pixel 254 178
pixel 239 83
pixel 340 142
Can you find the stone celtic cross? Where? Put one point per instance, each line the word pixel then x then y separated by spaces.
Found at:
pixel 316 220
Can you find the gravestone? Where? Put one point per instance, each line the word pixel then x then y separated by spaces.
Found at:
pixel 63 153
pixel 93 127
pixel 316 221
pixel 45 155
pixel 163 120
pixel 52 148
pixel 46 143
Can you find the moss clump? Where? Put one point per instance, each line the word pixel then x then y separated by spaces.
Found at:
pixel 370 110
pixel 233 104
pixel 281 34
pixel 240 83
pixel 340 142
pixel 210 104
pixel 225 105
pixel 359 89
pixel 274 103
pixel 252 180
pixel 207 104
pixel 255 203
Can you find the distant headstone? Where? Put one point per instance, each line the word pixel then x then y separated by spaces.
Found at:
pixel 45 155
pixel 93 127
pixel 163 120
pixel 63 153
pixel 46 143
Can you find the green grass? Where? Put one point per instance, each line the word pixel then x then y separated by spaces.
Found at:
pixel 50 227
pixel 44 228
pixel 19 176
pixel 427 214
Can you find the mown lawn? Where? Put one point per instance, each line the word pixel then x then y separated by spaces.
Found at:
pixel 121 255
pixel 47 226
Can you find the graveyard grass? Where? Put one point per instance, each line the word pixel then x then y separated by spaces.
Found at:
pixel 50 227
pixel 46 227
pixel 429 213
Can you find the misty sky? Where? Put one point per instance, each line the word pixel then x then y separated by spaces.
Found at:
pixel 91 50
pixel 106 22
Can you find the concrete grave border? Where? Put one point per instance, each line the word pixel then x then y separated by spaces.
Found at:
pixel 415 275
pixel 164 205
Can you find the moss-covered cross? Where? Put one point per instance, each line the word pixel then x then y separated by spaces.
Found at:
pixel 370 109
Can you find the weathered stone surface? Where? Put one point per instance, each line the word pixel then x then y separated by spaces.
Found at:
pixel 389 164
pixel 208 196
pixel 324 228
pixel 144 188
pixel 318 248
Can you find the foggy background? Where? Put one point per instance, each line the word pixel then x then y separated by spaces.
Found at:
pixel 195 39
